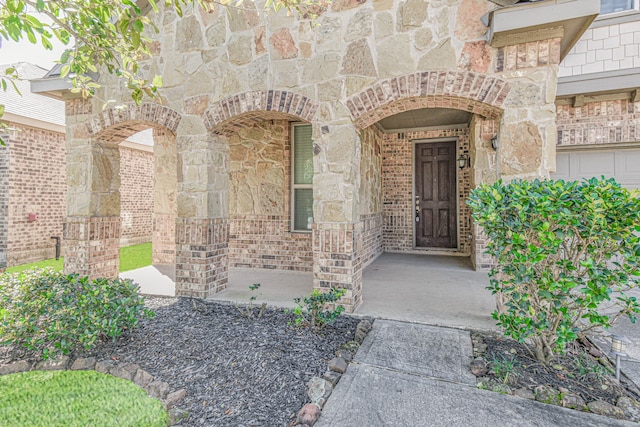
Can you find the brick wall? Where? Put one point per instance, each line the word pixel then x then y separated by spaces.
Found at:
pixel 37 184
pixel 608 48
pixel 4 203
pixel 397 185
pixel 599 123
pixel 136 196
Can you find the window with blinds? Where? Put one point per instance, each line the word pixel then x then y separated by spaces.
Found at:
pixel 301 178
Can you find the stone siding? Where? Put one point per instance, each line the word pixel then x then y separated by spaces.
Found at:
pixel 260 233
pixel 397 184
pixel 37 185
pixel 602 122
pixel 371 193
pixel 136 193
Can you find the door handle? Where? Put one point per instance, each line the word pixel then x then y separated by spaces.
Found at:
pixel 417 203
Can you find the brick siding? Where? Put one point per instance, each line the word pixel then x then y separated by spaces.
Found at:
pixel 4 203
pixel 136 196
pixel 599 123
pixel 37 184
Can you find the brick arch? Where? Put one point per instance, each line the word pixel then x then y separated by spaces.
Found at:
pixel 116 124
pixel 463 90
pixel 245 109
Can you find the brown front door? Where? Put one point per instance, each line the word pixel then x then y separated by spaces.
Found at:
pixel 435 210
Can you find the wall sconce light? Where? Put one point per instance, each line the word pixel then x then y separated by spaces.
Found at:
pixel 494 143
pixel 618 346
pixel 464 160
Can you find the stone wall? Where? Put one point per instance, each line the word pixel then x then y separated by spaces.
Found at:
pixel 397 184
pixel 602 122
pixel 136 180
pixel 371 193
pixel 260 233
pixel 37 185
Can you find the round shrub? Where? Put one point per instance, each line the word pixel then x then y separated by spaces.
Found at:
pixel 51 313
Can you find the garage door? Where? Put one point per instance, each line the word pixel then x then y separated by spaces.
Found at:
pixel 621 164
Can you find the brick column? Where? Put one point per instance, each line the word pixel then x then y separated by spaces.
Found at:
pixel 337 230
pixel 337 261
pixel 202 226
pixel 92 227
pixel 164 239
pixel 202 247
pixel 92 246
pixel 4 202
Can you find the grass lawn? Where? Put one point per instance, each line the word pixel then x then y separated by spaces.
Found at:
pixel 76 398
pixel 131 257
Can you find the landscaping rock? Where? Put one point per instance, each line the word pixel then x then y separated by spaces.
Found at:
pixel 480 348
pixel 126 371
pixel 177 415
pixel 546 394
pixel 360 336
pixel 479 367
pixel 630 407
pixel 319 390
pixel 15 367
pixel 362 330
pixel 175 398
pixel 104 366
pixel 158 389
pixel 308 415
pixel 338 364
pixel 601 407
pixel 344 354
pixel 57 364
pixel 83 364
pixel 573 401
pixel 332 376
pixel 142 378
pixel 524 393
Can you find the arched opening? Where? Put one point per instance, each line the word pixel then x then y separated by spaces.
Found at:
pixel 122 182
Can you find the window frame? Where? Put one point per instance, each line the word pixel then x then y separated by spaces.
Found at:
pixel 295 186
pixel 634 8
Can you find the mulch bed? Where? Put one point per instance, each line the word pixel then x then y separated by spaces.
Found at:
pixel 237 371
pixel 583 370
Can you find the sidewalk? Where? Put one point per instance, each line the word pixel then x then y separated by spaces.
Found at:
pixel 416 375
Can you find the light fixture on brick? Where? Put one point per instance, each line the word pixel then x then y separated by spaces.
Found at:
pixel 464 160
pixel 494 143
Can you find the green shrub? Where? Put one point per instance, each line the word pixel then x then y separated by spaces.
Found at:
pixel 309 311
pixel 566 253
pixel 51 313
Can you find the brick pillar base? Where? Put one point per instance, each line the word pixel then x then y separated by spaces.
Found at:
pixel 164 239
pixel 337 262
pixel 202 248
pixel 480 260
pixel 92 246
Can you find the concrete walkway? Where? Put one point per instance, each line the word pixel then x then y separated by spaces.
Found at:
pixel 415 375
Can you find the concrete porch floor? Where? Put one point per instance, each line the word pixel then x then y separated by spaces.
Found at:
pixel 436 290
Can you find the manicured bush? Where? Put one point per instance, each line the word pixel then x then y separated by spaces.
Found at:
pixel 51 313
pixel 566 254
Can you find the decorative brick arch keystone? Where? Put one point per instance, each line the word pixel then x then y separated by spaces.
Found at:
pixel 118 123
pixel 247 108
pixel 463 90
